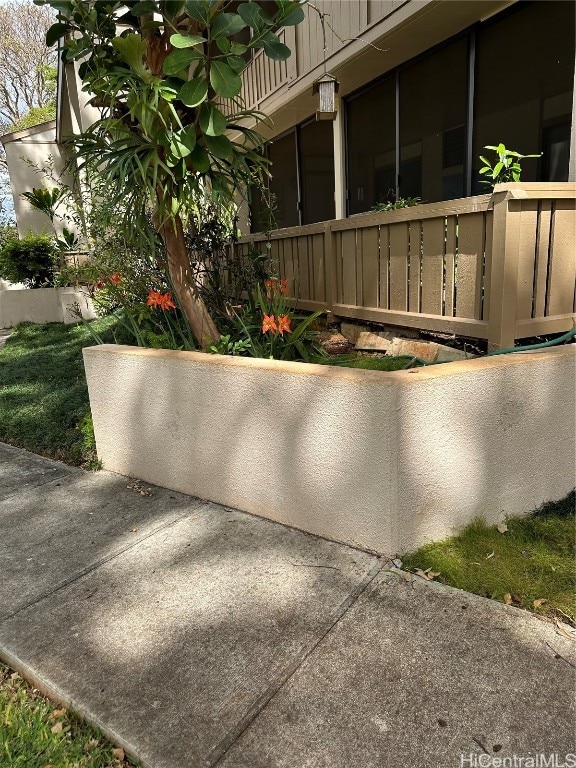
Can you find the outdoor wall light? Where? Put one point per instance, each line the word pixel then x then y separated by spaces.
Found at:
pixel 326 87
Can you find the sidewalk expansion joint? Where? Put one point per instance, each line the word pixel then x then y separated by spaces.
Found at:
pixel 219 752
pixel 94 566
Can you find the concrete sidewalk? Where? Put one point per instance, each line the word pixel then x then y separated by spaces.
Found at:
pixel 196 635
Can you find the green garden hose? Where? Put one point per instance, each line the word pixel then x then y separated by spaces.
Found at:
pixel 525 348
pixel 540 345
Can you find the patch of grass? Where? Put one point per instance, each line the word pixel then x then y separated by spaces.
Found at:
pixel 37 733
pixel 368 362
pixel 533 560
pixel 43 393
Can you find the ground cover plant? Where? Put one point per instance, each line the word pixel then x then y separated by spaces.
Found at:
pixel 528 562
pixel 43 393
pixel 36 733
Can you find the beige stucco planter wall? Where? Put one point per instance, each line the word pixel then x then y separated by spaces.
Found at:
pixel 382 461
pixel 42 305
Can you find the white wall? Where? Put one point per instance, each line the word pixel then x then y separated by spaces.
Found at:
pixel 42 305
pixel 382 461
pixel 35 145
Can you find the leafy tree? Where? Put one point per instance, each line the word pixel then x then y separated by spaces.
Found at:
pixel 166 76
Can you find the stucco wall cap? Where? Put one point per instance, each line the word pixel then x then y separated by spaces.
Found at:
pixel 412 375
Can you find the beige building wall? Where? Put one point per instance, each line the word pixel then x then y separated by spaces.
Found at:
pixel 24 149
pixel 43 144
pixel 382 461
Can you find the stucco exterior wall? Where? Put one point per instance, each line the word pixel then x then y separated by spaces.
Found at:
pixel 42 305
pixel 382 461
pixel 36 146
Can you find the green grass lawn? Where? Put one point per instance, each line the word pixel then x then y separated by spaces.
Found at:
pixel 534 560
pixel 35 733
pixel 43 393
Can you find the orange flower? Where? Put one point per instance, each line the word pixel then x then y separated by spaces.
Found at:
pixel 166 301
pixel 271 288
pixel 284 287
pixel 162 300
pixel 269 324
pixel 283 324
pixel 115 279
pixel 99 284
pixel 153 299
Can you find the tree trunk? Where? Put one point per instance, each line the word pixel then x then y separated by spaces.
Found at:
pixel 202 325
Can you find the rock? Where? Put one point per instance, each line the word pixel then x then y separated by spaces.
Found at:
pixel 335 343
pixel 425 350
pixel 449 354
pixel 374 342
pixel 352 331
pixel 428 351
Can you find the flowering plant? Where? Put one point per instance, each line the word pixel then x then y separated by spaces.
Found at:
pixel 270 328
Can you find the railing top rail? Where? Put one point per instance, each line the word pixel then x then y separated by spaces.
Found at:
pixel 464 205
pixel 538 189
pixel 279 234
pixel 415 212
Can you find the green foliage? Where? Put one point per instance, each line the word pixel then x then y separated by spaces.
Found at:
pixel 31 260
pixel 37 733
pixel 35 116
pixel 7 232
pixel 370 362
pixel 266 326
pixel 532 560
pixel 506 166
pixel 402 202
pixel 168 87
pixel 86 429
pixel 226 346
pixel 43 393
pixel 47 201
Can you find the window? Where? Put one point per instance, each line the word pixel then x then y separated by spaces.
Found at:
pixel 302 181
pixel 371 142
pixel 524 85
pixel 433 101
pixel 316 144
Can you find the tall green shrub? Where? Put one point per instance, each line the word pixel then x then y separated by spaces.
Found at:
pixel 32 260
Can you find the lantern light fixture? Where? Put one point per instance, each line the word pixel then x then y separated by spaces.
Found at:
pixel 326 87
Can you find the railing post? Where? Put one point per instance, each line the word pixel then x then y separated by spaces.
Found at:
pixel 329 267
pixel 503 285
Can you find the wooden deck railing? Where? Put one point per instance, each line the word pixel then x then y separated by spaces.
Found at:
pixel 498 267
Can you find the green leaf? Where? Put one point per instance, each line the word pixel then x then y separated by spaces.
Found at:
pixel 226 25
pixel 194 92
pixel 497 168
pixel 199 159
pixel 173 7
pixel 133 49
pixel 237 48
pixel 273 48
pixel 293 17
pixel 181 59
pixel 183 142
pixel 186 41
pixel 224 80
pixel 252 14
pixel 146 6
pixel 236 63
pixel 54 34
pixel 212 121
pixel 198 10
pixel 219 146
pixel 223 44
